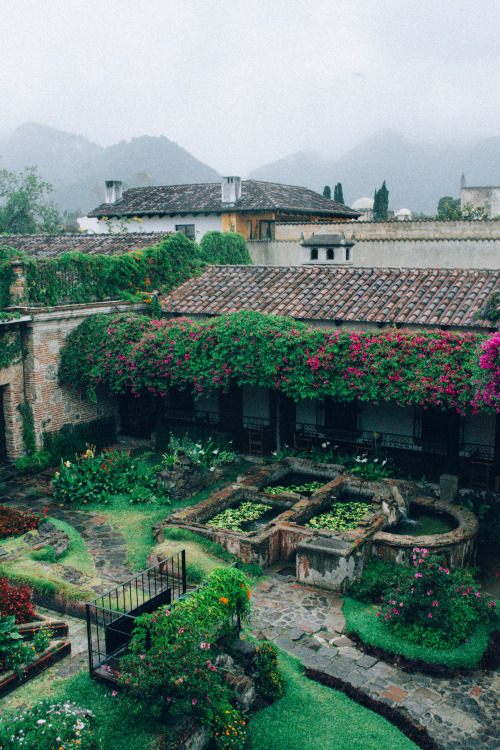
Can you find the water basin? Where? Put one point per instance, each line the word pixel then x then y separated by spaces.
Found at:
pixel 424 522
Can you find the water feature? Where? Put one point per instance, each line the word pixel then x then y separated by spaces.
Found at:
pixel 294 481
pixel 424 522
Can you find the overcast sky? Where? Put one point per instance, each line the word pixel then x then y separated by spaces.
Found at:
pixel 239 83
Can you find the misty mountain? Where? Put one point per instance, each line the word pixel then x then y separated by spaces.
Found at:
pixel 77 168
pixel 416 175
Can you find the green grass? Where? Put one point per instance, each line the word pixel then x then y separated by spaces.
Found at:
pixel 117 724
pixel 315 717
pixel 43 580
pixel 362 619
pixel 77 556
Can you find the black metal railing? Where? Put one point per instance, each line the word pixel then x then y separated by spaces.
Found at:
pixel 111 616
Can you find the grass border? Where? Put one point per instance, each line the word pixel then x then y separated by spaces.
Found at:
pixel 361 619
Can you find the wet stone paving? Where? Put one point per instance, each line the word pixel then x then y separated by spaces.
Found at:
pixel 462 712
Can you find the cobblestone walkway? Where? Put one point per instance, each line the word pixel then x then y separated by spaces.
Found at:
pixel 308 623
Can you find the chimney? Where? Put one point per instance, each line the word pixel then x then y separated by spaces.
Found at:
pixel 231 189
pixel 112 191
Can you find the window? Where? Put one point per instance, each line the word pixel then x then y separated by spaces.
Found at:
pixel 267 230
pixel 348 253
pixel 330 253
pixel 187 229
pixel 250 230
pixel 314 253
pixel 433 426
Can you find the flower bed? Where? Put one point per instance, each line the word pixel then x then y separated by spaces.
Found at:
pixel 15 522
pixel 16 601
pixel 49 726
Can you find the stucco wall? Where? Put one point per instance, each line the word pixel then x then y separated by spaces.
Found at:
pixel 387 253
pixel 415 229
pixel 202 224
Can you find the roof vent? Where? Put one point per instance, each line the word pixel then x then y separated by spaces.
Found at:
pixel 231 189
pixel 112 191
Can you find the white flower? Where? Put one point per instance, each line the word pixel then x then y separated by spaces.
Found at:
pixel 375 460
pixel 212 468
pixel 363 460
pixel 215 451
pixel 384 462
pixel 323 445
pixel 41 721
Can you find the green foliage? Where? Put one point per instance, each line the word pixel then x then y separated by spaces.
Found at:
pixel 300 489
pixel 7 275
pixel 269 675
pixel 224 248
pixel 338 194
pixel 434 606
pixel 381 204
pixel 487 510
pixel 373 467
pixel 16 654
pixel 29 437
pixel 131 353
pixel 327 191
pixel 341 517
pixel 49 726
pixel 171 652
pixel 377 578
pixel 92 478
pixel 207 454
pixel 76 277
pixel 361 618
pixel 450 209
pixel 9 634
pixel 24 208
pixel 233 519
pixel 10 348
pixel 67 442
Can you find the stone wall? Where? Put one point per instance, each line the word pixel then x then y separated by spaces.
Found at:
pixel 12 384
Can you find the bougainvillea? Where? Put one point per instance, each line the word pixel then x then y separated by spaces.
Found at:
pixel 133 353
pixel 489 364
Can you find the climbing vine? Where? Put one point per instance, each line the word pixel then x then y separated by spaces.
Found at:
pixel 10 348
pixel 133 353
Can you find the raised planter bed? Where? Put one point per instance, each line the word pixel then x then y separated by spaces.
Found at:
pixel 9 681
pixel 58 628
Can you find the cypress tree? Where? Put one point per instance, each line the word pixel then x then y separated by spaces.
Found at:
pixel 338 194
pixel 381 203
pixel 327 193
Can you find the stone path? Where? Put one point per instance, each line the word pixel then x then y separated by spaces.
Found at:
pixel 462 712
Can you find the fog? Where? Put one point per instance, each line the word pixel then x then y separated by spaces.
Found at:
pixel 239 83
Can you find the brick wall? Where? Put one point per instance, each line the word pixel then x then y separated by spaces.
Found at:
pixel 12 385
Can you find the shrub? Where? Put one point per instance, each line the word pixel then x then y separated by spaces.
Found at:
pixel 224 248
pixel 269 675
pixel 49 726
pixel 378 576
pixel 93 478
pixel 172 653
pixel 15 522
pixel 208 454
pixel 16 601
pixel 434 606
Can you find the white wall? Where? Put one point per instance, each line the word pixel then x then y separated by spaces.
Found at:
pixel 202 224
pixel 306 411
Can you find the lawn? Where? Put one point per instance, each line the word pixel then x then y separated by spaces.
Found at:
pixel 362 619
pixel 317 718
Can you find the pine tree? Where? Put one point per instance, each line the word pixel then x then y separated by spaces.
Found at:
pixel 338 195
pixel 381 204
pixel 327 193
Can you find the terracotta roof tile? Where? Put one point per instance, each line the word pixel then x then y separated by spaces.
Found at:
pixel 40 246
pixel 207 198
pixel 432 296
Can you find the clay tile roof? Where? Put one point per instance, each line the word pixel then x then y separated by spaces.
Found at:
pixel 207 198
pixel 41 246
pixel 408 296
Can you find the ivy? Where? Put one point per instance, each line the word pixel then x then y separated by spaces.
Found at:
pixel 29 437
pixel 7 275
pixel 10 348
pixel 133 353
pixel 224 248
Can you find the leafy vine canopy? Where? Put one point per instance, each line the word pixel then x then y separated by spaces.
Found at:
pixel 131 353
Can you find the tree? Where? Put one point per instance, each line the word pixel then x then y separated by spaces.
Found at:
pixel 24 208
pixel 338 195
pixel 381 203
pixel 327 193
pixel 224 249
pixel 449 208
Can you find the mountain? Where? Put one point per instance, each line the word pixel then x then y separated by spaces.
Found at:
pixel 78 168
pixel 416 175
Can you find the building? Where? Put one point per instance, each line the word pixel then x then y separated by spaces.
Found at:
pixel 481 197
pixel 250 207
pixel 425 440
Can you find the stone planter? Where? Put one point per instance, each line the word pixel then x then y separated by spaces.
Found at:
pixel 53 653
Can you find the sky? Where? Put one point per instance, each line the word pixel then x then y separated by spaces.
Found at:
pixel 240 83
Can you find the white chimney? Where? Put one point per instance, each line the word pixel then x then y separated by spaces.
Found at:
pixel 231 189
pixel 112 191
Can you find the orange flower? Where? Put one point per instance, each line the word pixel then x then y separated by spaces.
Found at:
pixel 249 594
pixel 224 600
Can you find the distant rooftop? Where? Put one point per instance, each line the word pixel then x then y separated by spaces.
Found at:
pixel 40 246
pixel 207 198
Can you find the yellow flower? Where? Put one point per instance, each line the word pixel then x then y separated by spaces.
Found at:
pixel 57 473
